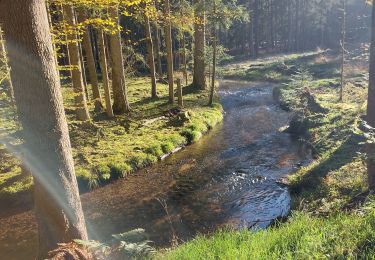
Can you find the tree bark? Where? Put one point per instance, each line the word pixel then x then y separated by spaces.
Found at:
pixel 179 94
pixel 159 68
pixel 256 29
pixel 168 41
pixel 184 58
pixel 87 46
pixel 104 67
pixel 199 73
pixel 82 112
pixel 150 56
pixel 46 151
pixel 343 37
pixel 214 46
pixel 120 99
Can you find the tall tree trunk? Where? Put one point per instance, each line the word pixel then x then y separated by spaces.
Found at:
pixel 370 117
pixel 104 67
pixel 87 46
pixel 120 98
pixel 256 28
pixel 343 36
pixel 150 56
pixel 82 112
pixel 159 68
pixel 199 73
pixel 298 27
pixel 47 151
pixel 184 58
pixel 168 41
pixel 83 70
pixel 214 44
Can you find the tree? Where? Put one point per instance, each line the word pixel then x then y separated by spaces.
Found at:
pixel 150 56
pixel 199 73
pixel 46 150
pixel 342 43
pixel 214 51
pixel 82 111
pixel 104 67
pixel 168 43
pixel 120 99
pixel 87 46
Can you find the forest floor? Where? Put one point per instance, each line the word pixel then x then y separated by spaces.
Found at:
pixel 333 214
pixel 107 149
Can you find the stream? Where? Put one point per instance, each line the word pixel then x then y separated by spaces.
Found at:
pixel 228 178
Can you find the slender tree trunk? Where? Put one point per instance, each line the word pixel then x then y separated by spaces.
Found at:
pixel 214 45
pixel 343 36
pixel 82 112
pixel 47 151
pixel 150 56
pixel 199 73
pixel 104 67
pixel 184 58
pixel 87 46
pixel 120 98
pixel 159 68
pixel 256 28
pixel 168 40
pixel 179 93
pixel 83 70
pixel 298 27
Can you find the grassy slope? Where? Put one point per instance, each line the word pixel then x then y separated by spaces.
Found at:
pixel 330 218
pixel 109 149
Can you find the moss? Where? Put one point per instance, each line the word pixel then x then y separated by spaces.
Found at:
pixel 167 147
pixel 109 149
pixel 155 150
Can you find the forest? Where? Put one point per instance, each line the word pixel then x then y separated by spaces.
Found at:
pixel 187 129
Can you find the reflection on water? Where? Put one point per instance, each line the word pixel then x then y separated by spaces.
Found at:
pixel 227 178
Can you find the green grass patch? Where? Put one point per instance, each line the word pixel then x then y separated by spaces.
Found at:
pixel 112 148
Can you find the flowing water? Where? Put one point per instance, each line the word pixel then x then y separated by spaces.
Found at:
pixel 227 178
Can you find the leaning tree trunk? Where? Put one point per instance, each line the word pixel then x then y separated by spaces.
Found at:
pixel 150 56
pixel 82 111
pixel 199 73
pixel 47 151
pixel 104 67
pixel 120 99
pixel 86 43
pixel 168 41
pixel 370 117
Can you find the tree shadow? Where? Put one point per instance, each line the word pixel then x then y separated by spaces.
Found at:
pixel 342 156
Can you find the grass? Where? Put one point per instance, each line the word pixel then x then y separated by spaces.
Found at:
pixel 343 236
pixel 109 149
pixel 333 216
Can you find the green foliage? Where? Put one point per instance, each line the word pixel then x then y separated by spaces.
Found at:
pixel 129 245
pixel 342 236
